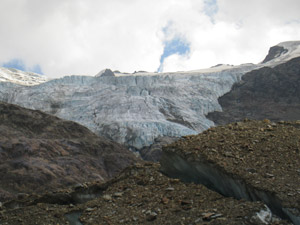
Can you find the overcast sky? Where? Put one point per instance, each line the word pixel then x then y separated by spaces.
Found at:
pixel 63 37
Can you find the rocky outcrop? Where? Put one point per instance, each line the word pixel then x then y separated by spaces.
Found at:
pixel 140 195
pixel 282 53
pixel 41 152
pixel 275 52
pixel 271 93
pixel 252 160
pixel 105 73
pixel 154 151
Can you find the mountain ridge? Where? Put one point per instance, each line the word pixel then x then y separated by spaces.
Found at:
pixel 135 109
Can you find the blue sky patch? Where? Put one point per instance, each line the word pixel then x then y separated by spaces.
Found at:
pixel 20 65
pixel 15 63
pixel 36 69
pixel 174 46
pixel 211 8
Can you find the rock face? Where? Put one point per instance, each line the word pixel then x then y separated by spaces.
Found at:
pixel 271 93
pixel 41 152
pixel 140 195
pixel 154 151
pixel 252 160
pixel 105 73
pixel 282 53
pixel 275 52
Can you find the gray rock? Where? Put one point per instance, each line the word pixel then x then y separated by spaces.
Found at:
pixel 105 73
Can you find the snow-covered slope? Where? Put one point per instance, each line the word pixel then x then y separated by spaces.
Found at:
pixel 136 108
pixel 20 77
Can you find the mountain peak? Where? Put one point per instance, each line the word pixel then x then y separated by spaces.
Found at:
pixel 105 73
pixel 283 52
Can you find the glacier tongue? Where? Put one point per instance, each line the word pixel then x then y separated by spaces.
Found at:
pixel 131 109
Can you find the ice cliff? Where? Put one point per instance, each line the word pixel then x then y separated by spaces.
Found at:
pixel 131 109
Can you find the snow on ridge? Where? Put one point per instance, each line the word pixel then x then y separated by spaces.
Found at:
pixel 21 77
pixel 293 48
pixel 211 70
pixel 289 44
pixel 293 51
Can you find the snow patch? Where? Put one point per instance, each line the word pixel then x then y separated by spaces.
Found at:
pixel 21 77
pixel 265 215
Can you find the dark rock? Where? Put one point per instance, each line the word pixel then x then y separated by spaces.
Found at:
pixel 186 204
pixel 152 216
pixel 271 93
pixel 153 152
pixel 41 152
pixel 275 52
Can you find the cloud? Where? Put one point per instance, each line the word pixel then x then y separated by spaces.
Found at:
pixel 86 36
pixel 240 32
pixel 211 8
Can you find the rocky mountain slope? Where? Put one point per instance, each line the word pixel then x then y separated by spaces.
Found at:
pixel 135 109
pixel 41 152
pixel 242 173
pixel 271 93
pixel 252 160
pixel 140 195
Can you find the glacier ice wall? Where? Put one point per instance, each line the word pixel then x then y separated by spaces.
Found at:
pixel 131 109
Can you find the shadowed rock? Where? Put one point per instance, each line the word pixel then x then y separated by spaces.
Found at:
pixel 271 93
pixel 275 52
pixel 41 152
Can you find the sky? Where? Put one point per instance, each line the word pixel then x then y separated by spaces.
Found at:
pixel 66 37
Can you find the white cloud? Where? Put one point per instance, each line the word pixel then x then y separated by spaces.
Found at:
pixel 86 36
pixel 241 32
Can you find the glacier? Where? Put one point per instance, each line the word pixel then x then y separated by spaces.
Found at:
pixel 134 109
pixel 131 109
